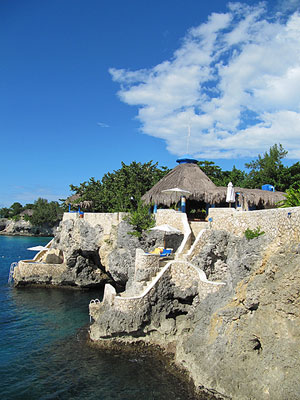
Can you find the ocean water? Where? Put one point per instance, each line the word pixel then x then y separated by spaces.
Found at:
pixel 43 349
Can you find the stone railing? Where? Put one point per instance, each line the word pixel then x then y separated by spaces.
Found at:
pixel 281 224
pixel 198 244
pixel 182 274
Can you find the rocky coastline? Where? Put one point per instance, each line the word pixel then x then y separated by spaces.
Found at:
pixel 9 227
pixel 235 340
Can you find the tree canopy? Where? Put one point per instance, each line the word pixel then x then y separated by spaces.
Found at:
pixel 220 177
pixel 41 212
pixel 120 189
pixel 268 168
pixel 45 212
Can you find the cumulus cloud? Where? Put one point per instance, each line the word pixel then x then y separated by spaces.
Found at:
pixel 235 81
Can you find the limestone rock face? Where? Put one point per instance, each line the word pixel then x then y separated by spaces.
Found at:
pixel 245 338
pixel 53 256
pixel 121 259
pixel 241 341
pixel 3 223
pixel 24 228
pixel 228 257
pixel 76 248
pixel 78 238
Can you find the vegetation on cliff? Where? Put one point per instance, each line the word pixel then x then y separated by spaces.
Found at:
pixel 41 212
pixel 117 189
pixel 140 219
pixel 292 198
pixel 121 189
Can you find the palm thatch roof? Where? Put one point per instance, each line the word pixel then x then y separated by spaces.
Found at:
pixel 191 178
pixel 186 177
pixel 74 201
pixel 251 197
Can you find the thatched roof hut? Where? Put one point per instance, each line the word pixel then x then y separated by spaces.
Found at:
pixel 189 177
pixel 186 176
pixel 249 197
pixel 74 201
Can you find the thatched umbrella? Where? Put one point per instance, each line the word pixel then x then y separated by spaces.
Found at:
pixel 188 177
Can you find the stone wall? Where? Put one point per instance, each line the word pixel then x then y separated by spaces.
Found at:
pixel 38 273
pixel 171 217
pixel 183 275
pixel 146 267
pixel 281 224
pixel 106 220
pixel 197 226
pixel 179 221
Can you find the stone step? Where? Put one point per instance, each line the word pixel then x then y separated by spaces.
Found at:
pixel 148 283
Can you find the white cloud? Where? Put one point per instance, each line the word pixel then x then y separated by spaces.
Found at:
pixel 102 125
pixel 288 5
pixel 235 80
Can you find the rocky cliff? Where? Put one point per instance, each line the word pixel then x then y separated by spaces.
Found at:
pixel 24 228
pixel 81 256
pixel 72 259
pixel 240 341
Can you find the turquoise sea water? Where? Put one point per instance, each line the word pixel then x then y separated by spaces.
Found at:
pixel 43 350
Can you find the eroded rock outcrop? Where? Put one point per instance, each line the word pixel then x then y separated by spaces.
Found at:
pixel 82 256
pixel 240 341
pixel 73 259
pixel 24 228
pixel 245 339
pixel 121 258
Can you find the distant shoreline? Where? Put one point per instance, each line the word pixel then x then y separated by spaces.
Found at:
pixel 24 234
pixel 9 227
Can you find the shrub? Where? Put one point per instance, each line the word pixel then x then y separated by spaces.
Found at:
pixel 140 219
pixel 251 234
pixel 292 198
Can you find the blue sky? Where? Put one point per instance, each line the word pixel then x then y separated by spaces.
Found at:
pixel 88 84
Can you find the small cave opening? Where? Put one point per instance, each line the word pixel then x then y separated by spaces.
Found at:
pixel 186 300
pixel 254 307
pixel 256 343
pixel 175 313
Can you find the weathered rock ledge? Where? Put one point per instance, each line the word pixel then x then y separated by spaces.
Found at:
pixel 82 256
pixel 240 341
pixel 9 227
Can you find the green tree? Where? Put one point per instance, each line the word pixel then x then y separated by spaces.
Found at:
pixel 46 213
pixel 214 172
pixel 292 176
pixel 116 189
pixel 16 209
pixel 268 168
pixel 4 212
pixel 220 177
pixel 237 177
pixel 89 191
